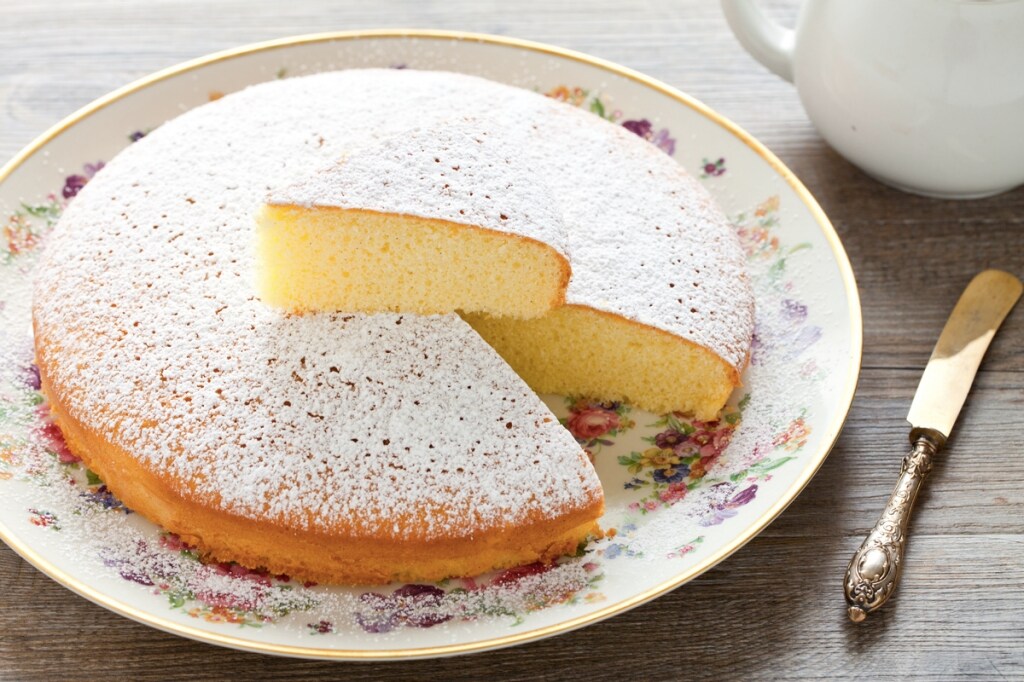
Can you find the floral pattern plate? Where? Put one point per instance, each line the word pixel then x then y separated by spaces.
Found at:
pixel 681 494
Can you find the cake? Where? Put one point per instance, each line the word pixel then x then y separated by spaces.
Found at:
pixel 341 446
pixel 429 221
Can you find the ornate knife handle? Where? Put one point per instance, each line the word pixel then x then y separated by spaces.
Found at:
pixel 875 568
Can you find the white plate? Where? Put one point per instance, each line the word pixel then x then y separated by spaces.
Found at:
pixel 681 496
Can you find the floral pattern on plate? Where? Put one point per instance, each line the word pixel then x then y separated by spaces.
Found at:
pixel 595 423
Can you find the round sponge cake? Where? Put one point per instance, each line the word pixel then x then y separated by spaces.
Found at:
pixel 344 447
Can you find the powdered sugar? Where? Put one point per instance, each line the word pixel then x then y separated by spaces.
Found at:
pixel 117 544
pixel 625 578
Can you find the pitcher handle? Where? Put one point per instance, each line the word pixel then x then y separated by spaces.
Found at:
pixel 767 41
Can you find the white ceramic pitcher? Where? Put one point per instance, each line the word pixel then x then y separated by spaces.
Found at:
pixel 925 95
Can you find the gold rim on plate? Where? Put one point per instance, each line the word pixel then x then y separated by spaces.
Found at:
pixel 830 436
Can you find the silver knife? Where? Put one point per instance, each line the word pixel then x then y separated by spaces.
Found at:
pixel 875 568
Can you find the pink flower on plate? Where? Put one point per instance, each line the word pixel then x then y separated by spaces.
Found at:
pixel 174 543
pixel 227 600
pixel 52 438
pixel 673 493
pixel 43 519
pixel 592 422
pixel 794 437
pixel 234 570
pixel 511 576
pixel 18 234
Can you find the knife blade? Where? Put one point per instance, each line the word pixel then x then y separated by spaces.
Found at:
pixel 875 568
pixel 947 379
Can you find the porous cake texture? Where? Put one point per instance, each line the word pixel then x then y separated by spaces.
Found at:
pixel 659 308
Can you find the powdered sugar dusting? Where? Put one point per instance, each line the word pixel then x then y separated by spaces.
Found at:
pixel 119 545
pixel 466 171
pixel 775 409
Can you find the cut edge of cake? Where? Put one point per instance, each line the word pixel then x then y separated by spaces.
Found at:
pixel 431 220
pixel 333 258
pixel 609 357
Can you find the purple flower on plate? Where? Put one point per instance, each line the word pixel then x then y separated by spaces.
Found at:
pixel 641 127
pixel 645 129
pixel 634 484
pixel 802 340
pixel 135 576
pixel 73 184
pixel 32 379
pixel 757 346
pixel 794 310
pixel 720 511
pixel 104 498
pixel 662 141
pixel 410 605
pixel 136 136
pixel 712 169
pixel 668 440
pixel 673 474
pixel 743 497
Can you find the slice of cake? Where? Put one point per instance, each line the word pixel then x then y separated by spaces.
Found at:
pixel 392 448
pixel 432 221
pixel 579 350
pixel 657 311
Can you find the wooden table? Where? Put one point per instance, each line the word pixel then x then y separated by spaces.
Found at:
pixel 775 609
